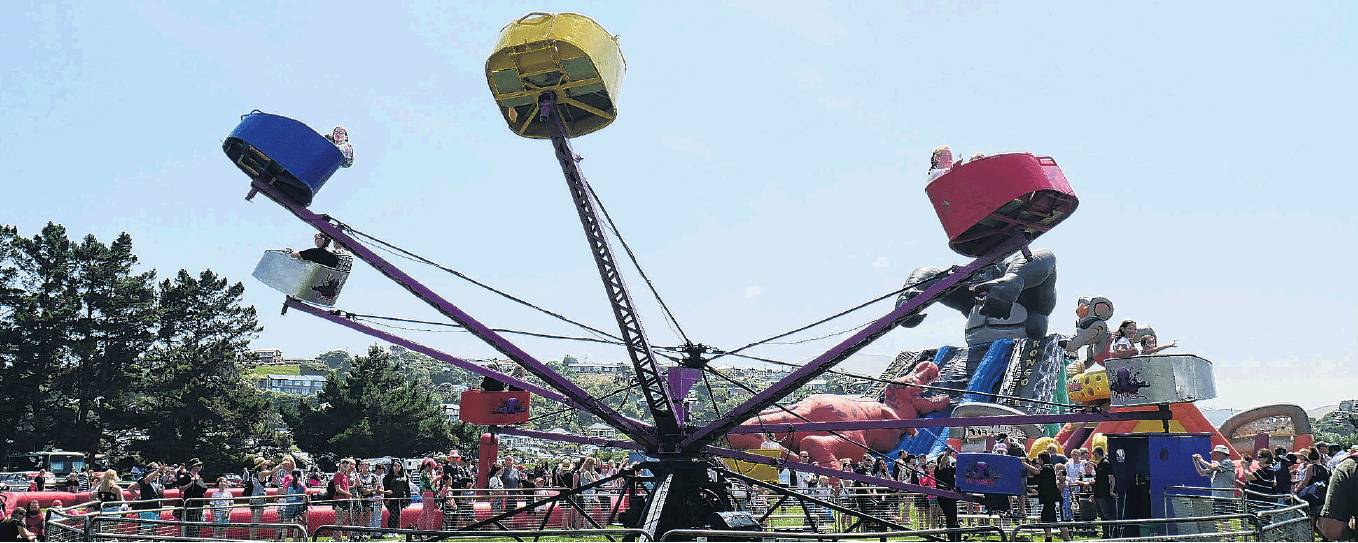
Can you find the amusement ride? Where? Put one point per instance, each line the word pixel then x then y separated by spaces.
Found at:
pixel 557 77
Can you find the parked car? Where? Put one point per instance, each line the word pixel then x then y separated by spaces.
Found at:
pixel 15 482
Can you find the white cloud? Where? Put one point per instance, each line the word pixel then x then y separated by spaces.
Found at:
pixel 881 263
pixel 752 291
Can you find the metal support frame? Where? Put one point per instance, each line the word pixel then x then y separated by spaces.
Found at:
pixel 550 499
pixel 838 474
pixel 785 492
pixel 499 343
pixel 844 349
pixel 655 504
pixel 658 399
pixel 951 422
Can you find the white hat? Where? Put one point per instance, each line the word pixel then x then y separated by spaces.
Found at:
pixel 1221 449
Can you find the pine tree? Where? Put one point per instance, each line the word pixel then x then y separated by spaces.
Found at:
pixel 196 402
pixel 376 409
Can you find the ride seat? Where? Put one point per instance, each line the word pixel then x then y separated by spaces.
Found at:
pixel 303 279
pixel 564 53
pixel 986 201
pixel 283 152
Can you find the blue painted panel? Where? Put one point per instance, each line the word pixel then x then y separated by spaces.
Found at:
pixel 987 473
pixel 307 156
pixel 986 378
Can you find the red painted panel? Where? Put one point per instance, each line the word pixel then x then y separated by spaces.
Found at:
pixel 499 408
pixel 973 199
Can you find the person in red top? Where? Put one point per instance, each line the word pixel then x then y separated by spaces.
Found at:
pixel 343 494
pixel 34 521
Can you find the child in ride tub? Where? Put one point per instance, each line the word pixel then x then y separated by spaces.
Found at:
pixel 221 505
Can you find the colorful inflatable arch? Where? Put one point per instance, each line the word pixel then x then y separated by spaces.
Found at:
pixel 1280 425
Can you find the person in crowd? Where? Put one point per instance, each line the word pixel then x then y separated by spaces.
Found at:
pixel 34 521
pixel 192 489
pixel 364 488
pixel 1048 492
pixel 40 480
pixel 1339 512
pixel 108 493
pixel 934 517
pixel 1337 455
pixel 1221 470
pixel 588 474
pixel 1313 486
pixel 1075 470
pixel 375 501
pixel 1282 482
pixel 14 528
pixel 342 486
pixel 1103 486
pixel 285 467
pixel 396 490
pixel 294 492
pixel 149 493
pixel 1149 346
pixel 256 487
pixel 447 501
pixel 945 476
pixel 221 506
pixel 313 478
pixel 1122 340
pixel 428 484
pixel 510 478
pixel 72 483
pixel 1264 479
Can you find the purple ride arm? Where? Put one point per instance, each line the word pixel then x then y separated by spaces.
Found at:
pixel 504 346
pixel 844 349
pixel 838 474
pixel 947 422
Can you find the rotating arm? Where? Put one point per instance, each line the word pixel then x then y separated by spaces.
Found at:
pixel 481 331
pixel 846 348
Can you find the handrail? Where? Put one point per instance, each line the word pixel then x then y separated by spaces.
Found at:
pixel 298 528
pixel 467 534
pixel 1253 519
pixel 690 535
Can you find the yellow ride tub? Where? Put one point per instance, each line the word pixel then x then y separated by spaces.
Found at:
pixel 565 53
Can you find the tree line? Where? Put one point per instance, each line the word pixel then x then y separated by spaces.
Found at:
pixel 100 357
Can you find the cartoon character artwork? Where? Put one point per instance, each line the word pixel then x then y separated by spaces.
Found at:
pixel 499 407
pixel 902 401
pixel 1126 383
pixel 989 473
pixel 1091 331
pixel 509 406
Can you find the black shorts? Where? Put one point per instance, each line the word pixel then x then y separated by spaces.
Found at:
pixel 1049 511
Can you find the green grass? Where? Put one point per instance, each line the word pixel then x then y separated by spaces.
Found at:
pixel 282 369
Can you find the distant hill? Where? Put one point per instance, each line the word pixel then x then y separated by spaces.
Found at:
pixel 1320 412
pixel 1218 416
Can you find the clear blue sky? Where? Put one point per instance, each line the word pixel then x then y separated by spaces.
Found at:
pixel 767 164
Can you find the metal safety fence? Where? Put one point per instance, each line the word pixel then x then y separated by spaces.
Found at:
pixel 1195 514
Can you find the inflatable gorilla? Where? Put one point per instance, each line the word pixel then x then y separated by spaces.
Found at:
pixel 1009 300
pixel 901 401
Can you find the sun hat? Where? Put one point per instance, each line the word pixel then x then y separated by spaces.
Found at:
pixel 1221 449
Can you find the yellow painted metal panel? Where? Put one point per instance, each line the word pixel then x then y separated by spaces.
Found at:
pixel 763 472
pixel 568 54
